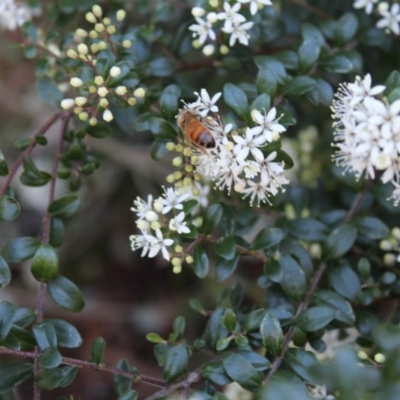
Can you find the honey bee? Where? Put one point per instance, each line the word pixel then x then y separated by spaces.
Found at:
pixel 195 130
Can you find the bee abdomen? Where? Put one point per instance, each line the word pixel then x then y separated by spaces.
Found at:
pixel 206 140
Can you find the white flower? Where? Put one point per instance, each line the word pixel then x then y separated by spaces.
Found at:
pixel 268 125
pixel 172 200
pixel 14 14
pixel 204 103
pixel 178 224
pixel 238 32
pixel 248 144
pixel 391 18
pixel 367 4
pixel 320 393
pixel 156 243
pixel 396 197
pixel 201 30
pixel 231 15
pixel 141 207
pixel 140 242
pixel 255 5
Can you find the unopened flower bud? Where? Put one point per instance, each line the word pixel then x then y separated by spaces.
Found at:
pixel 93 34
pixel 198 11
pixel 385 245
pixel 195 190
pixel 170 146
pixel 106 21
pixel 80 101
pixel 121 90
pixel 177 175
pixel 99 27
pixel 139 92
pixel 177 269
pixel 224 49
pixel 111 29
pixel 213 3
pixel 208 50
pixel 315 250
pixel 155 225
pixel 389 259
pixel 102 45
pixel 93 121
pixel 92 89
pixel 396 232
pixel 66 104
pixel 90 17
pixel 196 44
pixel 170 178
pixel 83 116
pixel 102 91
pixel 178 249
pixel 229 145
pixel 151 216
pixel 120 16
pixel 115 71
pixel 95 48
pixel 97 11
pixel 103 103
pixel 189 259
pixel 98 80
pixel 142 224
pixel 212 17
pixel 127 44
pixel 187 152
pixel 131 101
pixel 238 188
pixel 176 262
pixel 82 48
pixel 194 159
pixel 75 82
pixel 187 181
pixel 189 168
pixel 177 161
pixel 158 205
pixel 179 148
pixel 107 116
pixel 72 53
pixel 197 177
pixel 77 110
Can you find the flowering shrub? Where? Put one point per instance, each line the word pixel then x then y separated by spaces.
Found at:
pixel 283 133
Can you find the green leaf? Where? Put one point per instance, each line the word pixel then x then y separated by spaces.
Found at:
pixel 20 143
pixel 67 334
pixel 215 330
pixel 271 334
pixel 14 374
pixel 323 93
pixel 223 343
pixel 339 241
pixel 19 249
pixel 66 294
pixel 301 361
pixel 158 149
pixel 273 270
pixel 309 52
pixel 121 383
pixel 99 131
pixel 214 371
pixel 34 181
pixel 195 305
pixel 161 67
pixel 97 350
pixel 44 264
pixel 50 358
pixel 162 129
pixel 298 86
pixel 224 268
pixel 308 229
pixel 364 268
pixel 169 102
pixel 293 281
pixel 346 28
pixel 337 63
pixel 7 313
pixel 261 103
pixel 288 58
pixel 259 362
pixel 179 327
pixel 57 232
pixel 241 371
pixel 267 238
pixel 315 318
pixel 226 248
pixel 45 334
pixel 371 228
pixel 162 12
pixel 50 378
pixel 154 338
pixel 65 206
pixel 9 208
pixel 49 92
pixel 266 82
pixel 5 273
pixel 227 221
pixel 219 396
pixel 229 320
pixel 236 100
pixel 25 339
pixel 211 218
pixel 343 311
pixel 175 364
pixel 200 261
pixel 344 280
pixel 24 317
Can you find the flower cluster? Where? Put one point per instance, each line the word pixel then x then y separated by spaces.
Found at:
pixel 228 20
pixel 240 158
pixel 160 222
pixel 367 131
pixel 390 15
pixel 100 83
pixel 391 245
pixel 14 14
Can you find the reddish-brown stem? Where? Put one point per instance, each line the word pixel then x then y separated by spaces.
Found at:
pixel 358 200
pixel 41 293
pixel 26 152
pixel 86 364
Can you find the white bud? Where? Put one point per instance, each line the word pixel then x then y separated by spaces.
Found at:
pixel 80 101
pixel 76 82
pixel 103 103
pixel 213 3
pixel 102 91
pixel 385 245
pixel 127 44
pixel 107 116
pixel 72 53
pixel 151 216
pixel 139 92
pixel 208 50
pixel 97 11
pixel 142 224
pixel 81 33
pixel 90 17
pixel 98 80
pixel 396 232
pixel 120 16
pixel 121 90
pixel 66 104
pixel 238 188
pixel 115 71
pixel 83 116
pixel 83 49
pixel 198 11
pixel 224 49
pixel 158 205
pixel 155 225
pixel 212 17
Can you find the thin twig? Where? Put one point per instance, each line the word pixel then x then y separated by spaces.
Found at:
pixel 358 200
pixel 26 152
pixel 86 364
